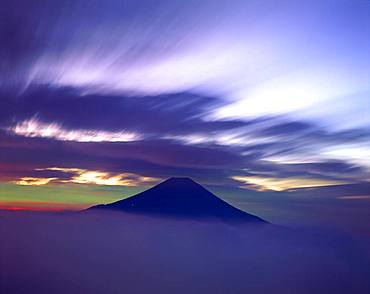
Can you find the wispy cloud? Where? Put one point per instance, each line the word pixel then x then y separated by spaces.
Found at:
pixel 357 197
pixel 282 184
pixel 34 128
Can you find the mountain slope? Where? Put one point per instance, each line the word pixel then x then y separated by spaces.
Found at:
pixel 180 198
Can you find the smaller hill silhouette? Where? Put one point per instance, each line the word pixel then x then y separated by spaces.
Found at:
pixel 180 198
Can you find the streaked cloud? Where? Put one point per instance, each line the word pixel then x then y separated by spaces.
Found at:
pixel 357 197
pixel 262 59
pixel 282 184
pixel 299 93
pixel 356 153
pixel 234 137
pixel 35 128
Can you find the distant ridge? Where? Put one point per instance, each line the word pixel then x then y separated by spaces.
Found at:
pixel 180 198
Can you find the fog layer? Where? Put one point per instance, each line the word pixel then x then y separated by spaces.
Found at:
pixel 123 253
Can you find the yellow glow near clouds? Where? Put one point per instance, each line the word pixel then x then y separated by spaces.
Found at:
pixel 83 176
pixel 282 184
pixel 30 181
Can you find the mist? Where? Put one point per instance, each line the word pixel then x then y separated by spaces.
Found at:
pixel 106 252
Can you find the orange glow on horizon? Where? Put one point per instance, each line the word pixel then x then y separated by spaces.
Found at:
pixel 39 206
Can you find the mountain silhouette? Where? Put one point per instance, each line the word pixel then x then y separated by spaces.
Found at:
pixel 180 198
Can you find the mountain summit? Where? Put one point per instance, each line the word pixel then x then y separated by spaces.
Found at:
pixel 180 198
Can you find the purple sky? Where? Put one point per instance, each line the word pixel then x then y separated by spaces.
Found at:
pixel 266 103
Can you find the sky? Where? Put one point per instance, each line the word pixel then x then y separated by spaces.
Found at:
pixel 265 103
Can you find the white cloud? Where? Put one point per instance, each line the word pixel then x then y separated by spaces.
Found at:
pixel 35 128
